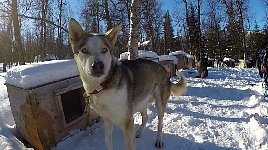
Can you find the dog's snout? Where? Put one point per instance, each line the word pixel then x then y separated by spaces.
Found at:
pixel 97 65
pixel 97 68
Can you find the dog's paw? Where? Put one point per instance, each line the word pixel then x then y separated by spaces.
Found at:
pixel 159 144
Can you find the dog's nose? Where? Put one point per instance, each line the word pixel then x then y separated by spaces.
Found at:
pixel 97 67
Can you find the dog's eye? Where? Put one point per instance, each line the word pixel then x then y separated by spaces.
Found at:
pixel 104 50
pixel 84 50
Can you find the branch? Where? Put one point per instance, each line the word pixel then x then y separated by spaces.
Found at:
pixel 35 18
pixel 47 21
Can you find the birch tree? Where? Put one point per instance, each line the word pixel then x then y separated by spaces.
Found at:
pixel 134 30
pixel 199 28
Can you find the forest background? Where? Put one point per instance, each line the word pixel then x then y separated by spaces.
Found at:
pixel 31 29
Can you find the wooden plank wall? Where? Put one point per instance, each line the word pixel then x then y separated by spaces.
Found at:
pixel 37 114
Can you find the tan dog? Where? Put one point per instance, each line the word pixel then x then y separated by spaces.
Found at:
pixel 117 89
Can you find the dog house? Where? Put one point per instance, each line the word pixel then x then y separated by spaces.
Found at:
pixel 211 62
pixel 228 62
pixel 185 61
pixel 190 61
pixel 150 55
pixel 170 63
pixel 47 102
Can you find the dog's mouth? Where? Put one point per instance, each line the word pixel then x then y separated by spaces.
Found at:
pixel 96 74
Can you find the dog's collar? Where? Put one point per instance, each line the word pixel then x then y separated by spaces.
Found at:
pixel 101 87
pixel 105 84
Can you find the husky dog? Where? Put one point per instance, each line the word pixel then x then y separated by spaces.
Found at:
pixel 117 90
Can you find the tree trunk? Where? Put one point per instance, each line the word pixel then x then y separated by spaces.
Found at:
pixel 17 33
pixel 199 30
pixel 188 37
pixel 44 9
pixel 59 51
pixel 241 26
pixel 107 15
pixel 134 30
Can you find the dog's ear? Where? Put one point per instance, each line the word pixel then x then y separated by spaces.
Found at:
pixel 75 31
pixel 113 33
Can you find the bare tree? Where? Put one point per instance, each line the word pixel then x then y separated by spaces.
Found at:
pixel 234 44
pixel 151 18
pixel 240 6
pixel 35 23
pixel 43 25
pixel 212 30
pixel 91 15
pixel 107 14
pixel 192 28
pixel 6 55
pixel 199 28
pixel 17 32
pixel 60 34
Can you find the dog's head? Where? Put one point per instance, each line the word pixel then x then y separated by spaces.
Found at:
pixel 92 51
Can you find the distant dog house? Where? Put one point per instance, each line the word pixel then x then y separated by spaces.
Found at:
pixel 245 63
pixel 47 57
pixel 241 64
pixel 170 63
pixel 211 62
pixel 47 102
pixel 190 61
pixel 150 55
pixel 185 60
pixel 228 62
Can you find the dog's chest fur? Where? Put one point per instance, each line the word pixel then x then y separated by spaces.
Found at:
pixel 111 104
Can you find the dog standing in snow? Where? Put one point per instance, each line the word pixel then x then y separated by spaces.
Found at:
pixel 117 90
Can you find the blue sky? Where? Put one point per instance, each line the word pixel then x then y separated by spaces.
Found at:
pixel 256 10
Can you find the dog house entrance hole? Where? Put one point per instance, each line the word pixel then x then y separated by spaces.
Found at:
pixel 73 104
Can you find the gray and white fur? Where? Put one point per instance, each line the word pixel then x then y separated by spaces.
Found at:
pixel 123 87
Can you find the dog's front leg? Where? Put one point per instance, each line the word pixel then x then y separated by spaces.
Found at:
pixel 128 132
pixel 108 133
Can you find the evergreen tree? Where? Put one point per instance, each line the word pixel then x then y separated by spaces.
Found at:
pixel 213 41
pixel 193 30
pixel 94 26
pixel 168 33
pixel 151 24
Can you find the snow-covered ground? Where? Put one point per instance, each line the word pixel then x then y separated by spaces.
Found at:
pixel 219 112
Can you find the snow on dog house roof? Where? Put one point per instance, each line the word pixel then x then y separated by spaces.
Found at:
pixel 36 74
pixel 141 54
pixel 145 43
pixel 228 59
pixel 181 53
pixel 172 58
